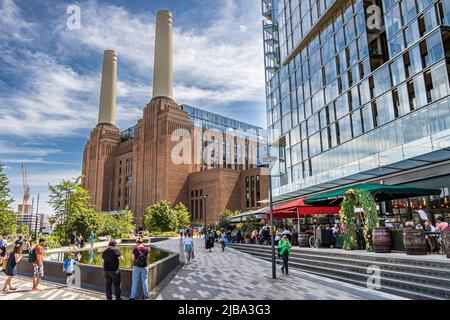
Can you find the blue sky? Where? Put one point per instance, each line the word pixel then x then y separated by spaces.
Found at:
pixel 50 75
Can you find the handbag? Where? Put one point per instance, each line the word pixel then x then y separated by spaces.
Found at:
pixel 192 255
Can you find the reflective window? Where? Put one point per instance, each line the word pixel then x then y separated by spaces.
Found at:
pixel 381 80
pixel 434 47
pixel 397 71
pixel 387 4
pixel 364 91
pixel 393 21
pixel 384 112
pixel 341 106
pixel 409 10
pixel 445 12
pixel 396 44
pixel 314 145
pixel 402 103
pixel 325 140
pixel 345 129
pixel 366 112
pixel 439 86
pixel 420 92
pixel 355 98
pixel 357 123
pixel 412 33
pixel 415 59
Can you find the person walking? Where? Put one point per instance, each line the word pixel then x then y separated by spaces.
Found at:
pixel 69 269
pixel 81 240
pixel 284 247
pixel 189 247
pixel 38 264
pixel 91 239
pixel 200 232
pixel 140 271
pixel 72 239
pixel 111 270
pixel 3 246
pixel 11 267
pixel 223 239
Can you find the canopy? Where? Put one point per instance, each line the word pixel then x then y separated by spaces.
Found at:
pixel 247 214
pixel 380 192
pixel 298 208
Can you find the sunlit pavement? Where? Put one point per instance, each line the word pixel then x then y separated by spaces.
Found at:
pixel 236 275
pixel 49 291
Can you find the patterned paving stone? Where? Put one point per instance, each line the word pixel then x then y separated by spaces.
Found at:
pixel 236 275
pixel 49 291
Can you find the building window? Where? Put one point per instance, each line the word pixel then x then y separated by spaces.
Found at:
pixel 224 152
pixel 235 154
pixel 258 191
pixel 196 209
pixel 247 192
pixel 252 190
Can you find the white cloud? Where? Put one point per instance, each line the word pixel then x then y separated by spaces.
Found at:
pixel 215 66
pixel 11 24
pixel 219 58
pixel 10 148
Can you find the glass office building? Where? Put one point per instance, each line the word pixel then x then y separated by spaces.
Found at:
pixel 356 91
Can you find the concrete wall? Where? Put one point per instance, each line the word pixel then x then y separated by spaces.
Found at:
pixel 92 276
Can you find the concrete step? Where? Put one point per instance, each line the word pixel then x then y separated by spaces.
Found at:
pixel 409 282
pixel 418 261
pixel 438 273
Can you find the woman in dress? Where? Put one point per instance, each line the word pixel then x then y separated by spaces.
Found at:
pixel 11 267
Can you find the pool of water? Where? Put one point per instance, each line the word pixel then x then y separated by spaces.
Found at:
pixel 94 256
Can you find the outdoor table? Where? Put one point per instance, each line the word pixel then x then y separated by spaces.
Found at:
pixel 431 233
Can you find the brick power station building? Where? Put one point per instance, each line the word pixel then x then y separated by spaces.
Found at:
pixel 175 152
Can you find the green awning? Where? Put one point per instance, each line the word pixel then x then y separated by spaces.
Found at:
pixel 380 192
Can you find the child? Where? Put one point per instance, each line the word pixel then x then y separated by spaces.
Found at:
pixel 69 268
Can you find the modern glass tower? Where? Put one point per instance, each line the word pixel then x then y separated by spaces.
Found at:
pixel 357 91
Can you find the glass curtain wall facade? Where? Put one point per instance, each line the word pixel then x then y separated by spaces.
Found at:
pixel 353 86
pixel 222 137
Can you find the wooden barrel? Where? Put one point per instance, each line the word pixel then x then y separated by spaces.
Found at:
pixel 446 241
pixel 303 238
pixel 414 241
pixel 381 240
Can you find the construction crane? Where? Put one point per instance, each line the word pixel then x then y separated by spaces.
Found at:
pixel 26 190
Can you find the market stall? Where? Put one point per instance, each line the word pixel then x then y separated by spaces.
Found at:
pixel 392 233
pixel 306 217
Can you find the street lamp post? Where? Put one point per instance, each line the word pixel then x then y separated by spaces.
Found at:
pixel 269 160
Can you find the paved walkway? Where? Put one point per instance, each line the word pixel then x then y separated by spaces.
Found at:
pixel 50 291
pixel 236 275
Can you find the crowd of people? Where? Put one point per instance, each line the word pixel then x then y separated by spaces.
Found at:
pixel 8 262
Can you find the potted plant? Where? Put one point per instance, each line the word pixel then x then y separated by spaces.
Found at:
pixel 247 237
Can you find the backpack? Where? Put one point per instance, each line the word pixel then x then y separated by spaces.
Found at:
pixel 141 261
pixel 32 256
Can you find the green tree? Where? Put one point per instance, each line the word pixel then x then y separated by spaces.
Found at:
pixel 160 217
pixel 73 212
pixel 183 216
pixel 7 216
pixel 225 216
pixel 23 229
pixel 115 224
